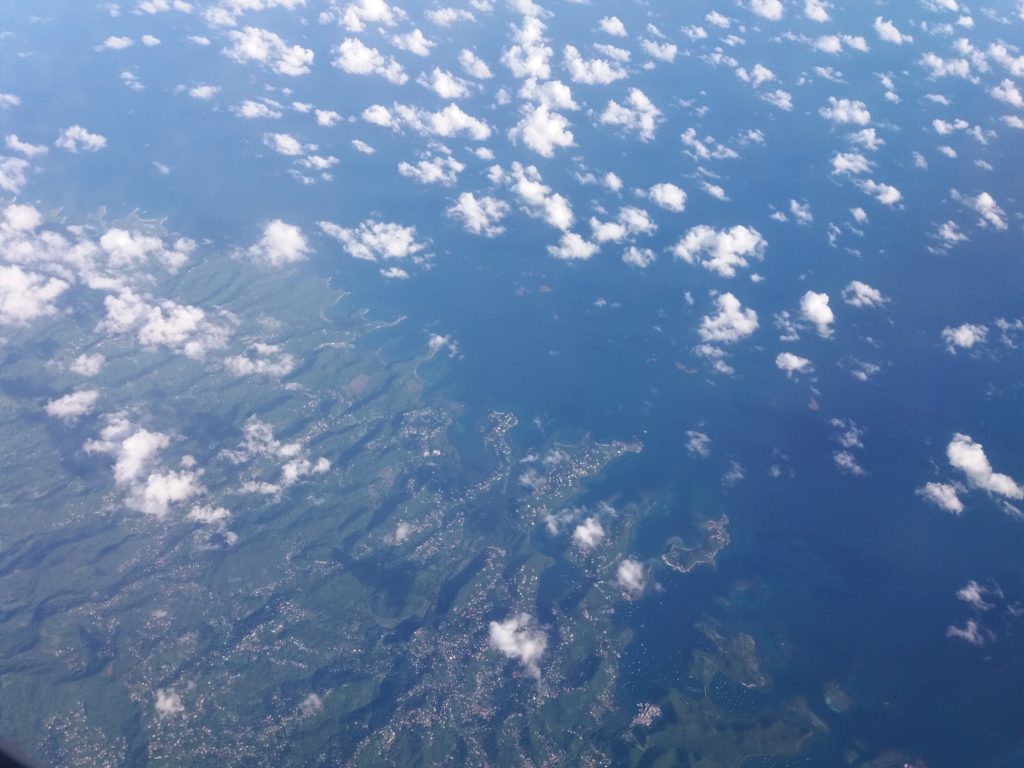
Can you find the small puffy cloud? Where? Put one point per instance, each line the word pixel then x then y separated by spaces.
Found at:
pixel 591 71
pixel 21 218
pixel 588 534
pixel 357 58
pixel 168 703
pixel 732 322
pixel 850 162
pixel 444 84
pixel 698 444
pixel 480 215
pixel 631 577
pixel 816 10
pixel 149 41
pixel 542 130
pixel 801 212
pixel 441 169
pixel 473 65
pixel 180 327
pixel 793 364
pixel 115 43
pixel 939 67
pixel 814 307
pixel 356 15
pixel 572 247
pixel 638 114
pixel 985 206
pixel 886 194
pixel 128 249
pixel 969 458
pixel 27 296
pixel 445 17
pixel 204 92
pixel 282 244
pixel 943 495
pixel 13 174
pixel 78 139
pixel 970 633
pixel 286 144
pixel 846 111
pixel 768 9
pixel 964 336
pixel 887 31
pixel 24 148
pixel 540 200
pixel 251 110
pixel 519 638
pixel 668 196
pixel 414 42
pixel 149 485
pixel 70 408
pixel 858 294
pixel 721 251
pixel 847 463
pixel 638 257
pixel 261 360
pixel 87 365
pixel 376 240
pixel 267 48
pixel 612 25
pixel 661 51
pixel 448 122
pixel 974 595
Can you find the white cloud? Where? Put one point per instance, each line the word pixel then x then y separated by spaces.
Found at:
pixel 204 92
pixel 847 463
pixel 969 457
pixel 70 408
pixel 182 328
pixel 698 444
pixel 572 247
pixel 887 31
pixel 801 212
pixel 150 487
pixel 722 251
pixel 87 365
pixel 591 71
pixel 858 294
pixel 268 49
pixel 816 10
pixel 375 240
pixel 631 577
pixel 480 215
pixel 732 322
pixel 814 307
pixel 149 41
pixel 846 111
pixel 473 65
pixel 162 6
pixel 939 67
pixel 850 162
pixel 666 52
pixel 964 336
pixel 768 9
pixel 168 703
pixel 886 194
pixel 444 84
pixel 27 296
pixel 793 364
pixel 414 42
pixel 668 196
pixel 970 633
pixel 440 169
pixel 256 109
pixel 13 176
pixel 355 16
pixel 542 130
pixel 974 595
pixel 588 534
pixel 638 257
pixel 445 17
pixel 77 139
pixel 612 25
pixel 985 206
pixel 115 43
pixel 640 115
pixel 540 200
pixel 261 360
pixel 449 122
pixel 282 244
pixel 942 495
pixel 24 148
pixel 519 638
pixel 357 58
